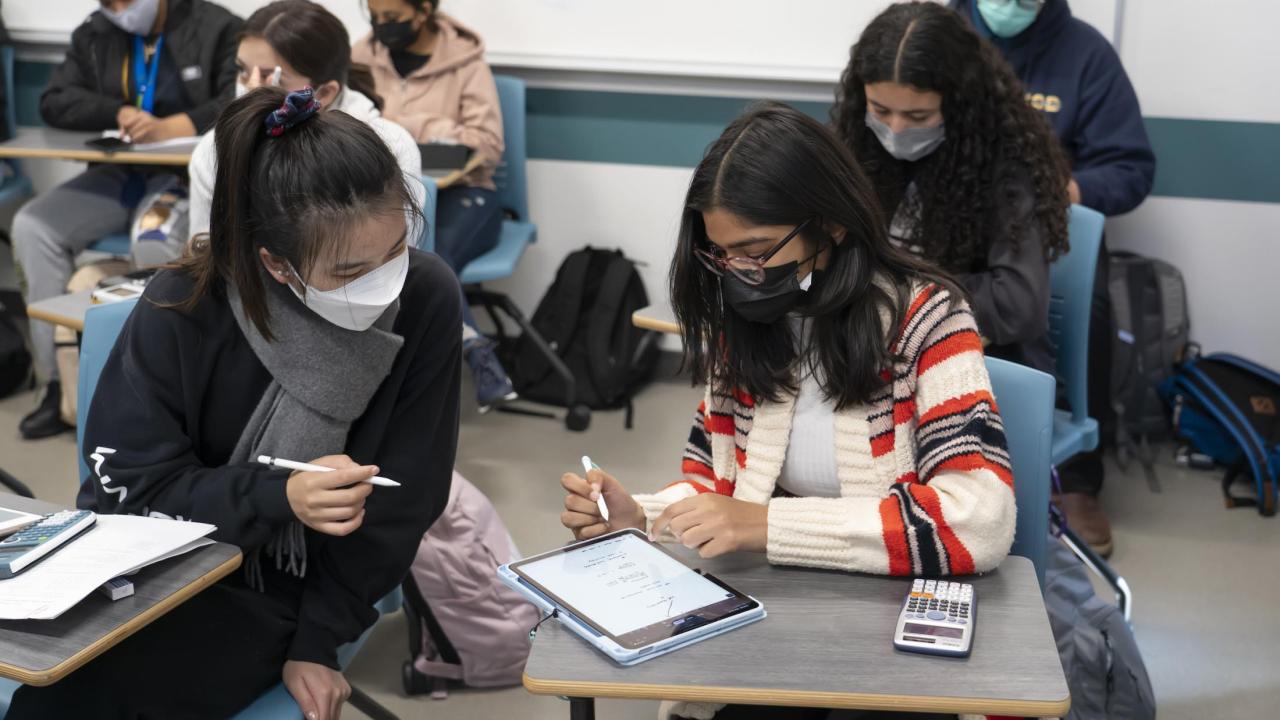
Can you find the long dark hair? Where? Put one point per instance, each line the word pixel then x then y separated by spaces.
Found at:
pixel 314 41
pixel 993 137
pixel 297 195
pixel 777 166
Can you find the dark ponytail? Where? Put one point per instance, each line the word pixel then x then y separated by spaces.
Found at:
pixel 313 41
pixel 297 195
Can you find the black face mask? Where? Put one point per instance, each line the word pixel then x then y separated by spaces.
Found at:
pixel 768 301
pixel 395 35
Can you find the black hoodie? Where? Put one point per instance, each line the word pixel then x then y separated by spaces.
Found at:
pixel 177 392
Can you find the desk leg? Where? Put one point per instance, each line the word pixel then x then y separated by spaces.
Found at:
pixel 582 708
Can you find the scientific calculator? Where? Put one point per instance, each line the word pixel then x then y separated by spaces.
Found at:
pixel 937 618
pixel 23 548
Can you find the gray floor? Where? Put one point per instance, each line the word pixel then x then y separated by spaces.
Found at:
pixel 1202 576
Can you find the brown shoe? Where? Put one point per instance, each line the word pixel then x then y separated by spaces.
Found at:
pixel 1085 516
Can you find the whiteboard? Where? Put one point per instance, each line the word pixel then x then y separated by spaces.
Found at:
pixel 795 40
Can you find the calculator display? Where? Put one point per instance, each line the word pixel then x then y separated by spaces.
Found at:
pixel 933 630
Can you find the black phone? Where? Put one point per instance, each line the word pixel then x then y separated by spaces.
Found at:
pixel 107 144
pixel 443 156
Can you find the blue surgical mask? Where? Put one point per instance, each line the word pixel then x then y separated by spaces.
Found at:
pixel 137 19
pixel 1008 18
pixel 910 144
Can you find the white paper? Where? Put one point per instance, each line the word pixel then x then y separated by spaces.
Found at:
pixel 179 143
pixel 116 545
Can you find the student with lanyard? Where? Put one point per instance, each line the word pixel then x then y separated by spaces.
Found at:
pixel 305 328
pixel 153 69
pixel 430 71
pixel 848 421
pixel 1075 78
pixel 970 173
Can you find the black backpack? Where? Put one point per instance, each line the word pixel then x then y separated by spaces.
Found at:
pixel 585 317
pixel 1151 328
pixel 15 360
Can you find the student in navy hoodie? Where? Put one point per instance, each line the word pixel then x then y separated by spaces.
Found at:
pixel 1074 76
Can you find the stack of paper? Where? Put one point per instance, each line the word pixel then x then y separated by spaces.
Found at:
pixel 116 545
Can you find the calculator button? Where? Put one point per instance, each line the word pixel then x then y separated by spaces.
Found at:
pixel 935 615
pixel 963 621
pixel 917 585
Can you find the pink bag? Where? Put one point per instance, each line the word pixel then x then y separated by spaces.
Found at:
pixel 464 624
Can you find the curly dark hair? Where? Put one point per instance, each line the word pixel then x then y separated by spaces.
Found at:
pixel 993 137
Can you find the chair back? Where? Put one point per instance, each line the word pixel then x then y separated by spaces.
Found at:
pixel 1070 302
pixel 1025 398
pixel 102 325
pixel 513 186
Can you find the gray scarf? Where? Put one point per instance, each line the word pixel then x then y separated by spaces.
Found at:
pixel 323 377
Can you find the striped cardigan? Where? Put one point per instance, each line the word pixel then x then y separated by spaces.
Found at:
pixel 925 481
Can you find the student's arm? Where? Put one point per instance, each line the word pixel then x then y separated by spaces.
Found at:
pixel 478 123
pixel 141 460
pixel 695 466
pixel 73 99
pixel 955 514
pixel 1010 299
pixel 346 576
pixel 226 41
pixel 1112 159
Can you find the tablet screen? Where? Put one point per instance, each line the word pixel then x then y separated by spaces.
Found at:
pixel 631 589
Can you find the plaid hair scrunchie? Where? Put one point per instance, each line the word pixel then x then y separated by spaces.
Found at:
pixel 297 107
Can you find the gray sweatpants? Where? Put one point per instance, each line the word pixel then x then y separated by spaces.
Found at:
pixel 54 227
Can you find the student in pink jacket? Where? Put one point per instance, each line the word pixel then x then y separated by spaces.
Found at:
pixel 431 74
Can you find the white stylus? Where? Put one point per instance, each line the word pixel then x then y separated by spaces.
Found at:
pixel 308 467
pixel 587 466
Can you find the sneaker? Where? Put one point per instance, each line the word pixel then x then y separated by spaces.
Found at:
pixel 46 420
pixel 1085 516
pixel 493 387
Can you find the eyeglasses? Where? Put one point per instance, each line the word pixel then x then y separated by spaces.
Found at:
pixel 1024 4
pixel 746 268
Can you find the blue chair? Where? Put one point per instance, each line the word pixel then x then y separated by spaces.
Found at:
pixel 102 325
pixel 17 186
pixel 1025 398
pixel 517 234
pixel 1070 301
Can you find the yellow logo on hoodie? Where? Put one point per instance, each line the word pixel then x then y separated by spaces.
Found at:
pixel 1046 103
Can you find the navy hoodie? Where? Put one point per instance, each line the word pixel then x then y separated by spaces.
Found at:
pixel 1074 76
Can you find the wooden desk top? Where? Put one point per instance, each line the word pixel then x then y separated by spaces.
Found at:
pixel 51 143
pixel 827 642
pixel 658 317
pixel 65 310
pixel 42 652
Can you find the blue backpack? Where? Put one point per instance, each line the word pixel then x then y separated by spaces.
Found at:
pixel 1228 408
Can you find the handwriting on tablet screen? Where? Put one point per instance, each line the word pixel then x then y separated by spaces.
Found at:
pixel 625 583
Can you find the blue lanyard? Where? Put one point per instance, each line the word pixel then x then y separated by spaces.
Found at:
pixel 145 89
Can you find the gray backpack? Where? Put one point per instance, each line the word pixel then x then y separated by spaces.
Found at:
pixel 1100 657
pixel 1151 328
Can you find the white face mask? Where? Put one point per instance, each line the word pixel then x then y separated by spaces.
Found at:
pixel 137 19
pixel 359 303
pixel 910 144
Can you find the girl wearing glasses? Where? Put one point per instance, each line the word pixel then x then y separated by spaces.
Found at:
pixel 848 421
pixel 972 176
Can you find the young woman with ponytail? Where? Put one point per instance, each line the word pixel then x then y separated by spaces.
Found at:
pixel 303 327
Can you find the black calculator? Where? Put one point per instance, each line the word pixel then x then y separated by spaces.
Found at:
pixel 24 548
